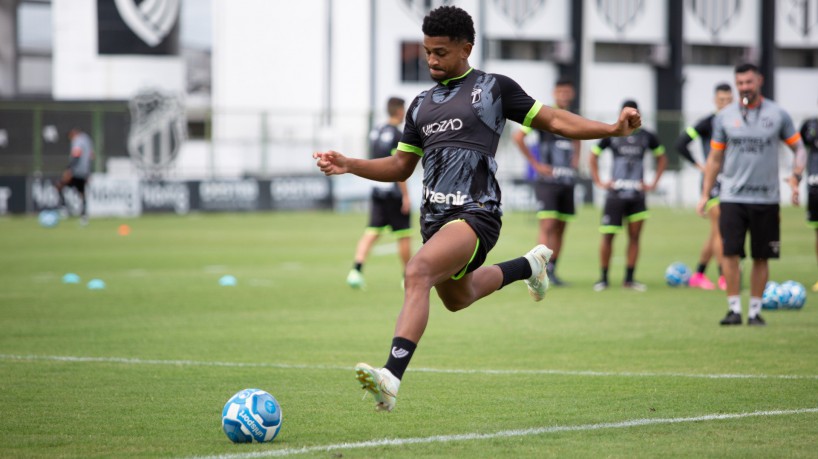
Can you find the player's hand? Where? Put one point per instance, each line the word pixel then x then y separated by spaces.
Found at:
pixel 331 162
pixel 629 120
pixel 604 185
pixel 648 187
pixel 701 206
pixel 700 167
pixel 544 170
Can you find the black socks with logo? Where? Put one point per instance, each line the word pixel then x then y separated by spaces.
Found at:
pixel 399 356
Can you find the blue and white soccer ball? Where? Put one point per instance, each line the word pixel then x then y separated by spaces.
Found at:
pixel 677 274
pixel 796 294
pixel 48 218
pixel 251 415
pixel 771 299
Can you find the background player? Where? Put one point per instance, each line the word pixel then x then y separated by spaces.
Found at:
pixel 703 129
pixel 809 135
pixel 556 170
pixel 626 195
pixel 745 149
pixel 455 128
pixel 77 173
pixel 389 204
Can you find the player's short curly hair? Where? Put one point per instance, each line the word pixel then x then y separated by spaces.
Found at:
pixel 449 21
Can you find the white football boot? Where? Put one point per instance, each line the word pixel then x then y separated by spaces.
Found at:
pixel 355 279
pixel 381 383
pixel 538 282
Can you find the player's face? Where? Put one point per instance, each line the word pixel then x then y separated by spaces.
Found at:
pixel 748 85
pixel 563 96
pixel 723 99
pixel 446 58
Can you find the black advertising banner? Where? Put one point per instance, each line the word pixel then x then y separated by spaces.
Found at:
pixel 12 195
pixel 138 26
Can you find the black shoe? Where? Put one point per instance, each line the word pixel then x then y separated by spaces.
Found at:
pixel 757 320
pixel 731 318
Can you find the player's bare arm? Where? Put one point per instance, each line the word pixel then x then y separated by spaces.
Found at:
pixel 594 163
pixel 573 126
pixel 799 163
pixel 396 168
pixel 711 171
pixel 661 165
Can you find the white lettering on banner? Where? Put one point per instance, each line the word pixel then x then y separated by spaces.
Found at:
pixel 113 196
pixel 5 194
pixel 234 191
pixel 297 189
pixel 164 195
pixel 433 197
pixel 44 194
pixel 454 124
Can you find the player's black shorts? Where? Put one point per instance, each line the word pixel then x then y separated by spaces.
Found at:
pixel 618 209
pixel 385 214
pixel 485 224
pixel 556 200
pixel 812 208
pixel 78 184
pixel 762 220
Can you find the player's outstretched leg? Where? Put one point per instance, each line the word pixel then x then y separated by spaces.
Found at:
pixel 379 382
pixel 538 258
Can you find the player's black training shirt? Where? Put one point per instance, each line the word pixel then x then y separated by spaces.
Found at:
pixel 702 130
pixel 809 134
pixel 628 160
pixel 383 141
pixel 455 127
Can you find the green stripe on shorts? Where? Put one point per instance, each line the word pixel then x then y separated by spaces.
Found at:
pixel 639 216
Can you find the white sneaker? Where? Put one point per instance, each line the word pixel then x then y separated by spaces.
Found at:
pixel 355 279
pixel 381 383
pixel 538 282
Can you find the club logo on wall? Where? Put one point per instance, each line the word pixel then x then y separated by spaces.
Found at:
pixel 802 15
pixel 420 8
pixel 138 26
pixel 714 15
pixel 519 11
pixel 158 128
pixel 620 14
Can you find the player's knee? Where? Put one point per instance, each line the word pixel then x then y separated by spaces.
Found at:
pixel 418 273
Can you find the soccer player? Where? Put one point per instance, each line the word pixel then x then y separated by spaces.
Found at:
pixel 703 129
pixel 78 171
pixel 390 203
pixel 454 128
pixel 809 135
pixel 556 171
pixel 626 196
pixel 745 149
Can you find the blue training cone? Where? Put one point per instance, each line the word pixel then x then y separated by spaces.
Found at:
pixel 227 281
pixel 96 284
pixel 71 278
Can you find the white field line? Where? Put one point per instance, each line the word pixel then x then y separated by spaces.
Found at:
pixel 505 434
pixel 286 366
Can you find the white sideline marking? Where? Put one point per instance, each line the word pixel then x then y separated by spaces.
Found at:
pixel 202 363
pixel 504 434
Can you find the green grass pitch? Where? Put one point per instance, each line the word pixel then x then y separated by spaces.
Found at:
pixel 143 367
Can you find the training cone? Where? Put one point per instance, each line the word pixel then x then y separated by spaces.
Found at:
pixel 227 281
pixel 124 230
pixel 71 278
pixel 96 284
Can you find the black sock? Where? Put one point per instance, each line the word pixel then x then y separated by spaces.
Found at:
pixel 514 270
pixel 399 356
pixel 604 275
pixel 720 273
pixel 358 266
pixel 700 269
pixel 629 274
pixel 552 265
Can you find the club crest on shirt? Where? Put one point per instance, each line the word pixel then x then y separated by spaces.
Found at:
pixel 475 95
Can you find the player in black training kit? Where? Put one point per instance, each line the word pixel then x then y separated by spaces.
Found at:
pixel 704 130
pixel 626 196
pixel 809 134
pixel 556 169
pixel 390 203
pixel 454 128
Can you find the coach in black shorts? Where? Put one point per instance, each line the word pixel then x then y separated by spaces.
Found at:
pixel 744 148
pixel 454 129
pixel 626 196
